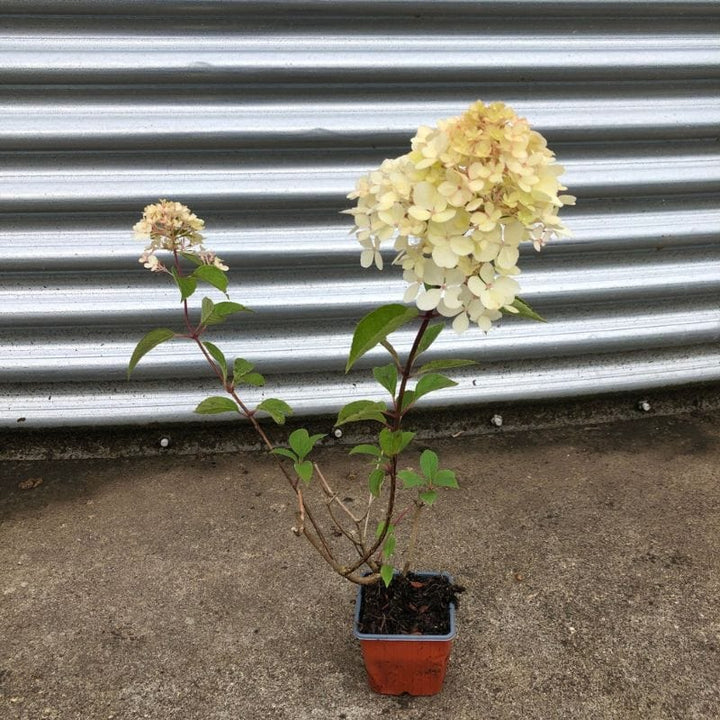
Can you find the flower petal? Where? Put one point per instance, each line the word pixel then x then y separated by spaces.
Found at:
pixel 475 285
pixel 444 257
pixel 461 323
pixel 429 299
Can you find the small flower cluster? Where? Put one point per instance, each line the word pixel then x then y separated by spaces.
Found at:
pixel 172 226
pixel 458 206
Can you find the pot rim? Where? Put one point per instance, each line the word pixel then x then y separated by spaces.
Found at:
pixel 406 638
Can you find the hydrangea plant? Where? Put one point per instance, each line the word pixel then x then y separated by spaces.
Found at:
pixel 456 208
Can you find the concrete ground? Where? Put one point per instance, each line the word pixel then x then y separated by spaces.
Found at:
pixel 172 587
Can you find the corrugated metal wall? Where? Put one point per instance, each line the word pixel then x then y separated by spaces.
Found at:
pixel 260 115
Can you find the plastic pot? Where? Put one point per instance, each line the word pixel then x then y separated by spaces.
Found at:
pixel 398 664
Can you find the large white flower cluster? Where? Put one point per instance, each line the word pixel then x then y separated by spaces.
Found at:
pixel 458 206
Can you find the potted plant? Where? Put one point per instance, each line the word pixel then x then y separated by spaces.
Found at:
pixel 457 207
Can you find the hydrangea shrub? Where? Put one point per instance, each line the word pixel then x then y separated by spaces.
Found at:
pixel 456 209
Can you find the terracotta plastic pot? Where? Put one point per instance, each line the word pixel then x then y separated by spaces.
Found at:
pixel 413 664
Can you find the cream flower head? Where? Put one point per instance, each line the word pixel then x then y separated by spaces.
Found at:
pixel 458 205
pixel 172 226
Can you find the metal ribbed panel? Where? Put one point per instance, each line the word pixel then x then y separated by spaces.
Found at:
pixel 260 116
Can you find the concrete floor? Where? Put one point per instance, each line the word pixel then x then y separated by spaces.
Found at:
pixel 172 587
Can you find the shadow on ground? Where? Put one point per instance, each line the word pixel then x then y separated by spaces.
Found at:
pixel 172 587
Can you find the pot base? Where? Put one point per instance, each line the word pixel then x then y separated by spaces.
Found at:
pixel 406 663
pixel 416 667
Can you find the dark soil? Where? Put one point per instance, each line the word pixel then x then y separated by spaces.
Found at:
pixel 412 605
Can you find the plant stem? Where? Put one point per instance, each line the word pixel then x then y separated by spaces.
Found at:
pixel 318 540
pixel 396 424
pixel 407 370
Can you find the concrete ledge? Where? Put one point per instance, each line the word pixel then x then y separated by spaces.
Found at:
pixel 213 437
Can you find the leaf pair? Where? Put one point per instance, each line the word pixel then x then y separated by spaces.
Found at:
pixel 241 368
pixel 212 313
pixel 187 284
pixel 277 409
pixel 432 477
pixel 301 443
pixel 390 443
pixel 374 328
pixel 243 373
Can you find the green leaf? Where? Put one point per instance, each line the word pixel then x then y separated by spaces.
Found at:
pixel 361 410
pixel 411 479
pixel 404 439
pixel 373 450
pixel 187 284
pixel 302 442
pixel 151 340
pixel 429 337
pixel 434 365
pixel 429 464
pixel 389 539
pixel 304 470
pixel 241 367
pixel 431 382
pixel 428 497
pixel 206 310
pixel 375 481
pixel 393 352
pixel 222 310
pixel 285 453
pixel 445 478
pixel 389 545
pixel 524 310
pixel 213 275
pixel 253 378
pixel 387 442
pixel 394 442
pixel 242 374
pixel 278 410
pixel 216 404
pixel 387 376
pixel 217 355
pixel 408 399
pixel 226 307
pixel 194 259
pixel 386 573
pixel 376 326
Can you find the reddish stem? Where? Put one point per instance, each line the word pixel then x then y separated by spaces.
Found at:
pixel 396 424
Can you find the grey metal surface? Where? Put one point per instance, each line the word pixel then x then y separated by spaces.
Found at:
pixel 260 115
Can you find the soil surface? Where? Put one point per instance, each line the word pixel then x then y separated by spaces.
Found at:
pixel 411 605
pixel 173 588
